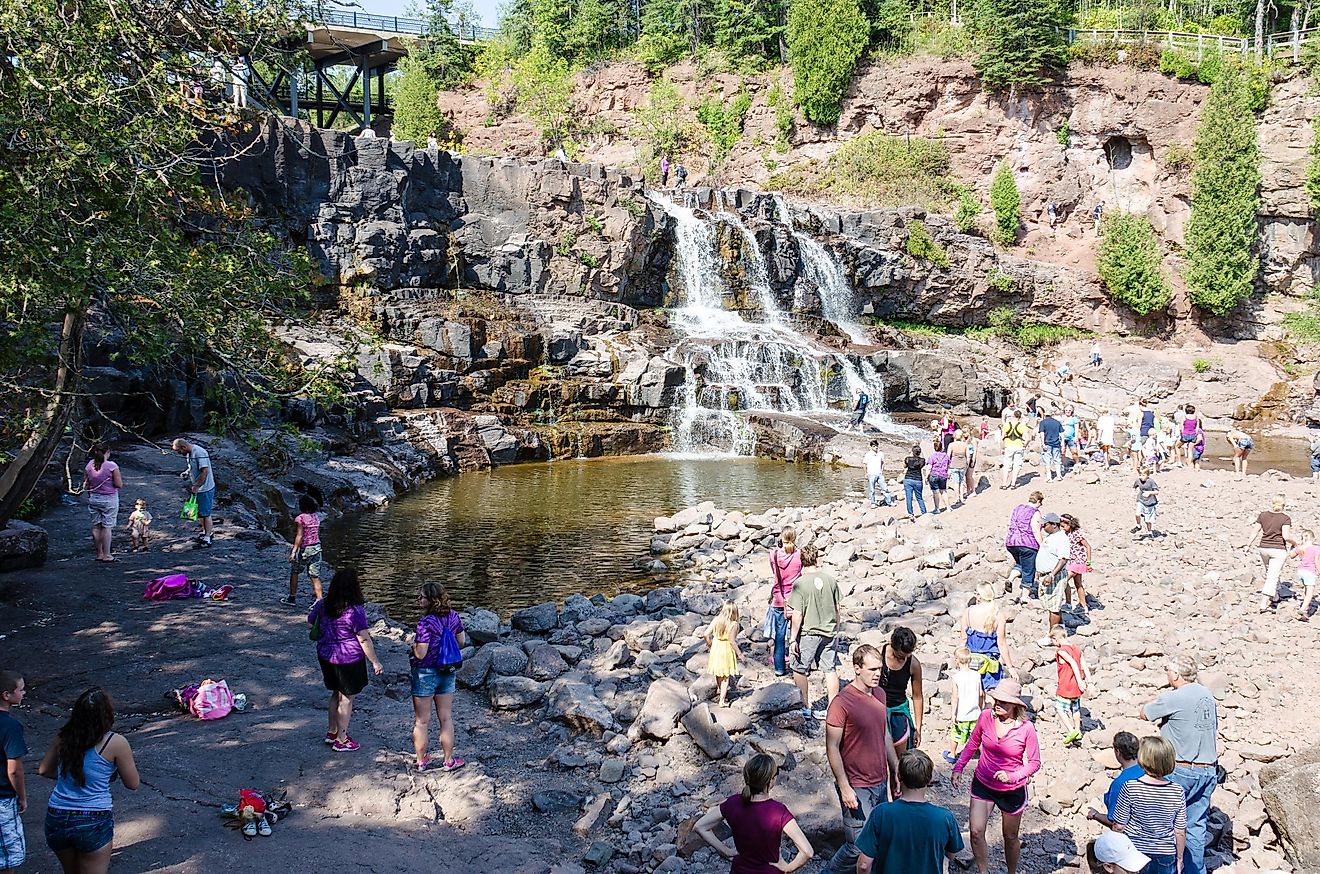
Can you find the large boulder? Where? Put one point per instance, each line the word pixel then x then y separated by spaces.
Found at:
pixel 536 620
pixel 706 732
pixel 510 693
pixel 22 546
pixel 476 670
pixel 482 626
pixel 773 699
pixel 506 660
pixel 544 662
pixel 1289 789
pixel 575 703
pixel 666 701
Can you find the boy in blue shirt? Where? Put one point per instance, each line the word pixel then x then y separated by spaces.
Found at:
pixel 1125 750
pixel 13 789
pixel 909 835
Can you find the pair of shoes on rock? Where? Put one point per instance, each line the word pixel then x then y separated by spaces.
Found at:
pixel 258 827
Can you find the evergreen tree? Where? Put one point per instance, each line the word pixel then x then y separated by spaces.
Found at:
pixel 1221 262
pixel 825 39
pixel 593 32
pixel 748 29
pixel 434 62
pixel 1129 262
pixel 416 108
pixel 1006 203
pixel 891 23
pixel 1023 40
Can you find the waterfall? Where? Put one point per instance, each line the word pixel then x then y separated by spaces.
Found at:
pixel 734 365
pixel 758 274
pixel 826 273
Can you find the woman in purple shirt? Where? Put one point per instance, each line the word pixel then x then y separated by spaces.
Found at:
pixel 343 647
pixel 1023 540
pixel 758 823
pixel 102 482
pixel 937 472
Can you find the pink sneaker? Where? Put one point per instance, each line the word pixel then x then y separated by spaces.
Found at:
pixel 347 745
pixel 453 764
pixel 331 737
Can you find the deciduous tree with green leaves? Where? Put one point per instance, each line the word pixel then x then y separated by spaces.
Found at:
pixel 1129 262
pixel 825 40
pixel 1221 262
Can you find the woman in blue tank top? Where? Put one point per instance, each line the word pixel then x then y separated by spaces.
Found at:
pixel 83 759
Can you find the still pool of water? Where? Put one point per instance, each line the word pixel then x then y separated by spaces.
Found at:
pixel 522 534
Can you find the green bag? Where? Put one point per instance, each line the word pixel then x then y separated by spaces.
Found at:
pixel 189 511
pixel 314 630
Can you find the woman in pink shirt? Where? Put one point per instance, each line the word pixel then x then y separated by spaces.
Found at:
pixel 1010 754
pixel 785 568
pixel 102 482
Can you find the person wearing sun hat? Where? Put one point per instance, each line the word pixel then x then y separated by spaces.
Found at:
pixel 1009 756
pixel 1114 854
pixel 1051 574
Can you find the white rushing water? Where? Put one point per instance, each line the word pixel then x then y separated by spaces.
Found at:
pixel 735 365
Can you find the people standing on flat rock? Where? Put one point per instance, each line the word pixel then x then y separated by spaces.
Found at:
pixel 305 555
pixel 722 642
pixel 1023 540
pixel 938 474
pixel 139 525
pixel 1272 536
pixel 1188 720
pixel 1105 426
pixel 1125 745
pixel 343 647
pixel 860 751
pixel 1147 503
pixel 1079 559
pixel 1095 353
pixel 1242 444
pixel 1198 449
pixel 966 702
pixel 102 482
pixel 1072 676
pixel 83 759
pixel 986 635
pixel 1152 810
pixel 1052 571
pixel 815 604
pixel 13 786
pixel 861 400
pixel 785 568
pixel 909 834
pixel 680 176
pixel 913 467
pixel 1051 449
pixel 1307 554
pixel 201 482
pixel 1114 854
pixel 434 657
pixel 1191 432
pixel 877 493
pixel 899 670
pixel 1009 755
pixel 758 824
pixel 1013 436
pixel 664 171
pixel 960 464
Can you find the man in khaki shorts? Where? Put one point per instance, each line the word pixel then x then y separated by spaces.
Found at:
pixel 1051 574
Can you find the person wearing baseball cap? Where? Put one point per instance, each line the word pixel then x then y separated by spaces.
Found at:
pixel 1116 855
pixel 1051 574
pixel 1009 755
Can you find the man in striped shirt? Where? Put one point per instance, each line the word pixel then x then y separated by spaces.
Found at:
pixel 1188 720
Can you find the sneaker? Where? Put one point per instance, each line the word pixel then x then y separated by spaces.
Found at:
pixel 347 745
pixel 950 758
pixel 453 764
pixel 288 601
pixel 204 541
pixel 263 828
pixel 424 764
pixel 331 737
pixel 819 715
pixel 249 829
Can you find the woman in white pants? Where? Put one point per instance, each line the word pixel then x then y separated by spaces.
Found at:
pixel 1272 537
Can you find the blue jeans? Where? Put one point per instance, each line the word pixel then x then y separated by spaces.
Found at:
pixel 1198 784
pixel 912 489
pixel 872 491
pixel 1025 557
pixel 868 798
pixel 1161 864
pixel 83 831
pixel 781 640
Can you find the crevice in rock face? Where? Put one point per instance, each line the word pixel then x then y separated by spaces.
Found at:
pixel 1118 153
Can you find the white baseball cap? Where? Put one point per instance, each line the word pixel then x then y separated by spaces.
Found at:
pixel 1116 849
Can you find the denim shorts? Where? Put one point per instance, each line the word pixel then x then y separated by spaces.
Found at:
pixel 205 503
pixel 83 831
pixel 427 682
pixel 1315 464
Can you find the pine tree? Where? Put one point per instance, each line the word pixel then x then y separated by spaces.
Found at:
pixel 1221 262
pixel 748 29
pixel 1129 262
pixel 593 32
pixel 1006 203
pixel 825 39
pixel 1023 41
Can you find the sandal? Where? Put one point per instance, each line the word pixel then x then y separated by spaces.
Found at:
pixel 424 764
pixel 453 764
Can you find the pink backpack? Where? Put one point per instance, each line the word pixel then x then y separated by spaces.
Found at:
pixel 168 588
pixel 212 701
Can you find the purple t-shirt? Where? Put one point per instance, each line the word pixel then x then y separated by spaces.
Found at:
pixel 428 632
pixel 939 465
pixel 101 482
pixel 338 643
pixel 758 829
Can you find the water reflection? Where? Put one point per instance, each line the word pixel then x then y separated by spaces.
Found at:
pixel 523 534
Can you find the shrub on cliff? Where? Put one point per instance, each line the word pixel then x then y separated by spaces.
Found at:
pixel 723 123
pixel 877 170
pixel 1313 169
pixel 1007 204
pixel 660 127
pixel 825 39
pixel 964 216
pixel 1129 262
pixel 1221 263
pixel 1023 40
pixel 543 89
pixel 920 244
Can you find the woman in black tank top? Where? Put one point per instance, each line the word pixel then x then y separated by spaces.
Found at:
pixel 894 681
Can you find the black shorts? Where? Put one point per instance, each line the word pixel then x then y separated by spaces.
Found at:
pixel 348 679
pixel 938 483
pixel 1012 802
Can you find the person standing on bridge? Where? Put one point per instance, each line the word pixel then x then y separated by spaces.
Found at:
pixel 240 74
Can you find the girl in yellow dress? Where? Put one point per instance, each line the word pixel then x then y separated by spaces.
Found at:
pixel 722 638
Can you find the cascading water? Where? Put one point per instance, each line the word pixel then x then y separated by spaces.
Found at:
pixel 734 365
pixel 825 272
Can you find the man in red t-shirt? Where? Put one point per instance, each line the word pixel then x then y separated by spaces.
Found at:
pixel 1073 676
pixel 860 751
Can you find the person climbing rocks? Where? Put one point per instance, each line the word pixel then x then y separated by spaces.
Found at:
pixel 1272 536
pixel 1023 541
pixel 862 400
pixel 1052 571
pixel 815 605
pixel 899 669
pixel 785 568
pixel 1051 450
pixel 664 171
pixel 680 175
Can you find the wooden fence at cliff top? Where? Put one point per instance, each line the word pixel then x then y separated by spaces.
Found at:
pixel 1287 45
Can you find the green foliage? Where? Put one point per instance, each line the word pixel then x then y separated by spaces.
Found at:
pixel 1003 323
pixel 1064 133
pixel 1202 365
pixel 891 24
pixel 593 222
pixel 1178 157
pixel 1004 284
pixel 592 32
pixel 588 259
pixel 723 123
pixel 660 127
pixel 1220 262
pixel 748 30
pixel 416 108
pixel 783 108
pixel 1023 42
pixel 920 244
pixel 825 40
pixel 542 86
pixel 1304 326
pixel 877 169
pixel 1006 203
pixel 964 216
pixel 1129 262
pixel 1313 168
